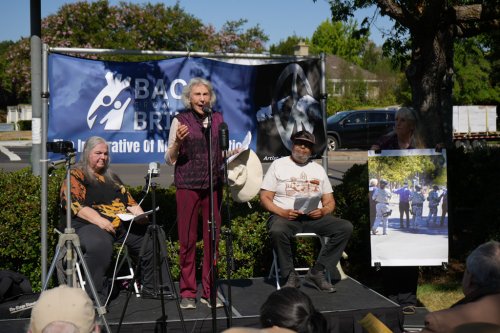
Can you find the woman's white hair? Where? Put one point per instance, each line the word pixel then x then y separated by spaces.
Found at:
pixel 186 92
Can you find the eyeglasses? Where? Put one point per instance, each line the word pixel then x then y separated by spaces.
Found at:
pixel 303 144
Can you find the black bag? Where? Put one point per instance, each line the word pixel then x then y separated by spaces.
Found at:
pixel 12 285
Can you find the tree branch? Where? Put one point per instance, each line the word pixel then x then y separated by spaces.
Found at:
pixel 477 12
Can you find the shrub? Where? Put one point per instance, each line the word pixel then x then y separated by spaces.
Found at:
pixel 20 236
pixel 473 215
pixel 24 125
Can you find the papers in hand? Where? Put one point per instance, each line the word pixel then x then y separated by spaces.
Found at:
pixel 130 217
pixel 244 146
pixel 306 204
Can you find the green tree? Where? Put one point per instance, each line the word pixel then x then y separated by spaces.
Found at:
pixel 339 39
pixel 232 39
pixel 6 94
pixel 472 84
pixel 432 28
pixel 287 46
pixel 127 26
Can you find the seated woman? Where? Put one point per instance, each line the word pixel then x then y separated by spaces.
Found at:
pixel 97 196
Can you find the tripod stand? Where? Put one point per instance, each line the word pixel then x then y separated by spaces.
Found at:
pixel 160 256
pixel 70 241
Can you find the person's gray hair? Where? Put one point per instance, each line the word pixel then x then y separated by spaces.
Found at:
pixel 484 264
pixel 412 117
pixel 186 92
pixel 373 182
pixel 84 161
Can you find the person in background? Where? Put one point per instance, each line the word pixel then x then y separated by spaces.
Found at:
pixel 481 287
pixel 417 204
pixel 400 282
pixel 63 310
pixel 287 310
pixel 373 185
pixel 188 151
pixel 404 204
pixel 97 197
pixel 382 196
pixel 444 206
pixel 289 181
pixel 434 198
pixel 404 135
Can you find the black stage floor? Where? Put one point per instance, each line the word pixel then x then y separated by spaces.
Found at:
pixel 343 309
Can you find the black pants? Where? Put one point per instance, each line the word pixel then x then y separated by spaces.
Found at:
pixel 404 208
pixel 97 246
pixel 282 230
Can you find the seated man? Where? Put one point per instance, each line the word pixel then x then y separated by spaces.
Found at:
pixel 481 287
pixel 289 184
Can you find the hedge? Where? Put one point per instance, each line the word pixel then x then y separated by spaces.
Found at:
pixel 474 216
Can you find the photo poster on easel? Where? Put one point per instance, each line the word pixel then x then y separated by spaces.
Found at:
pixel 415 182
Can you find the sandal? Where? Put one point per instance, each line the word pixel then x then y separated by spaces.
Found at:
pixel 409 310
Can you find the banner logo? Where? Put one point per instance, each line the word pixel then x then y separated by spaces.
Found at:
pixel 107 103
pixel 293 112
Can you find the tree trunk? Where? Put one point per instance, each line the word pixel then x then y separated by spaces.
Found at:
pixel 430 77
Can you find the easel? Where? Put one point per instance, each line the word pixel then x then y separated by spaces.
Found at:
pixel 70 240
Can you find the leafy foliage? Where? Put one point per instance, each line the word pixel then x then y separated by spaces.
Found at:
pixel 474 219
pixel 126 26
pixel 20 236
pixel 472 84
pixel 339 39
pixel 287 46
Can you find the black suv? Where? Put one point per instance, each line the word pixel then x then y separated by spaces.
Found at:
pixel 358 128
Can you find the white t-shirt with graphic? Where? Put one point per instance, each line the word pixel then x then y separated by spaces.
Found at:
pixel 291 181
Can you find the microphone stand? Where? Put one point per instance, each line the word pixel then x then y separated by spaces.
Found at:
pixel 212 228
pixel 160 256
pixel 229 244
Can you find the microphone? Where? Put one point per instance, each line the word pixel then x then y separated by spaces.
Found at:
pixel 207 110
pixel 223 136
pixel 153 171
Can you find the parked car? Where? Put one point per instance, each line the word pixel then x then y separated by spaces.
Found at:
pixel 358 128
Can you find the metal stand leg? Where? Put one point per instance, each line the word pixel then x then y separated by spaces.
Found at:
pixel 70 240
pixel 160 256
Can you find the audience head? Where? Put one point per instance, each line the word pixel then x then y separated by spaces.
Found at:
pixel 373 182
pixel 64 310
pixel 482 268
pixel 292 309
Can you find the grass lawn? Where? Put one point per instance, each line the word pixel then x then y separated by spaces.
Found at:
pixel 439 296
pixel 439 289
pixel 15 135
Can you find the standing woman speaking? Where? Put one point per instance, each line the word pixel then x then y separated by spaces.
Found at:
pixel 188 151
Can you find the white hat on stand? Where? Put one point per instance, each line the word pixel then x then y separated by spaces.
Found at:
pixel 245 176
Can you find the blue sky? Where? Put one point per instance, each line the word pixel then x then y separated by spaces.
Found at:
pixel 278 18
